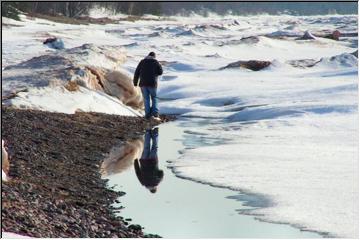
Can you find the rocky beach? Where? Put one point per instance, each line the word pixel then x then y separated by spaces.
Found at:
pixel 55 187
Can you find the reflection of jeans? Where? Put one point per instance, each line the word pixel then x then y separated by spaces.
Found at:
pixel 147 168
pixel 150 151
pixel 150 92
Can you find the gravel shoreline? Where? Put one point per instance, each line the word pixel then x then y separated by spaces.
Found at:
pixel 56 188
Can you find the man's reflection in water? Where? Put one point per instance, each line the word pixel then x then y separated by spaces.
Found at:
pixel 147 169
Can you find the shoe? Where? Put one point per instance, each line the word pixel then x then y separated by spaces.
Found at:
pixel 156 118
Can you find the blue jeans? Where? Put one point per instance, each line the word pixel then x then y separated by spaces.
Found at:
pixel 150 93
pixel 150 150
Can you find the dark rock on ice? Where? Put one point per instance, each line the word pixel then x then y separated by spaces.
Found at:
pixel 254 65
pixel 303 63
pixel 307 36
pixel 335 35
pixel 355 53
pixel 55 43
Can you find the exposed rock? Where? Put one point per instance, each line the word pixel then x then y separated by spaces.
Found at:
pixel 349 34
pixel 218 26
pixel 355 53
pixel 251 39
pixel 72 86
pixel 189 32
pixel 307 36
pixel 281 34
pixel 303 63
pixel 335 35
pixel 244 40
pixel 341 60
pixel 254 65
pixel 55 43
pixel 215 55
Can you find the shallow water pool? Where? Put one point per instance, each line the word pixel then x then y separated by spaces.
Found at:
pixel 182 208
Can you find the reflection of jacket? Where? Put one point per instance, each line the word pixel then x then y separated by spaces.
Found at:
pixel 148 172
pixel 148 70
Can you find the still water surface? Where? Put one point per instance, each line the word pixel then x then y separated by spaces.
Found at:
pixel 180 208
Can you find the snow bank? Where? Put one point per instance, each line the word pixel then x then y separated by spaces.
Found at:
pixel 59 99
pixel 110 57
pixel 96 68
pixel 11 22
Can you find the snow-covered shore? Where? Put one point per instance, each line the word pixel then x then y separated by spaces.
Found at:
pixel 86 78
pixel 290 131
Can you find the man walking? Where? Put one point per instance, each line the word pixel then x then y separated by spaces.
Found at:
pixel 148 70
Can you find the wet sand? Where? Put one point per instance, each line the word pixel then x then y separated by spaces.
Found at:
pixel 55 187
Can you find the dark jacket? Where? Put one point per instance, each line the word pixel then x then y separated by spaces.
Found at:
pixel 148 70
pixel 148 172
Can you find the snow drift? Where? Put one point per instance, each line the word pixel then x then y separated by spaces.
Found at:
pixel 88 66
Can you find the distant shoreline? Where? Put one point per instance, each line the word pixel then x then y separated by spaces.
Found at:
pixel 55 187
